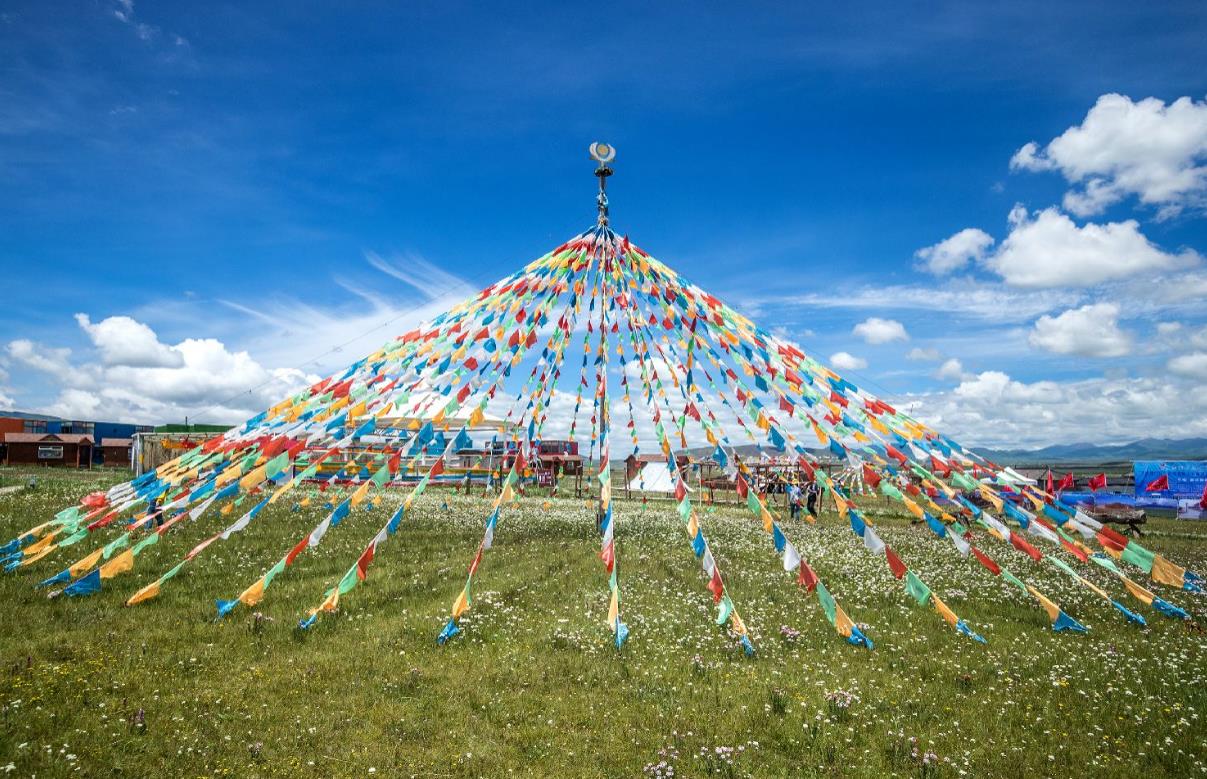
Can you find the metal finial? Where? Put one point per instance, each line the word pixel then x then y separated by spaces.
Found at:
pixel 603 154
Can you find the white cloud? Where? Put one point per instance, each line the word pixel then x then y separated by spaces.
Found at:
pixel 285 328
pixel 123 341
pixel 951 369
pixel 1193 365
pixel 881 331
pixel 51 361
pixel 1168 328
pixel 1048 250
pixel 927 355
pixel 951 254
pixel 845 361
pixel 1146 148
pixel 203 378
pixel 256 356
pixel 957 297
pixel 1089 331
pixel 992 409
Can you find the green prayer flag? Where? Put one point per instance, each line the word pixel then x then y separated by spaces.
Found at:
pixel 827 602
pixel 76 537
pixel 724 610
pixel 121 541
pixel 916 588
pixel 349 581
pixel 1013 580
pixel 273 571
pixel 1138 556
pixel 148 541
pixel 1061 564
pixel 1105 562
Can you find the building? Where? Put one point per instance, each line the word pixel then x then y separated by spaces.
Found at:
pixel 41 424
pixel 116 451
pixel 71 450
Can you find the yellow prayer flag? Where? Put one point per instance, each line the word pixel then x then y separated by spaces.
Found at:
pixel 332 602
pixel 1166 572
pixel 842 623
pixel 358 497
pixel 944 612
pixel 120 564
pixel 85 564
pixel 1050 607
pixel 461 605
pixel 146 593
pixel 40 544
pixel 253 594
pixel 1138 592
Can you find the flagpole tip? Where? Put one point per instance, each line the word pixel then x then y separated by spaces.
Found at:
pixel 602 153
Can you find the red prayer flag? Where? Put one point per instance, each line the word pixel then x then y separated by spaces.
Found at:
pixel 362 564
pixel 807 578
pixel 986 561
pixel 1098 482
pixel 297 550
pixel 871 477
pixel 1074 550
pixel 894 563
pixel 1021 544
pixel 715 585
pixel 1066 482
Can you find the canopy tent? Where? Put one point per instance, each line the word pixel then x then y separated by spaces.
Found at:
pixel 653 477
pixel 659 355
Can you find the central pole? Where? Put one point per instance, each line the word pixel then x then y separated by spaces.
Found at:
pixel 603 154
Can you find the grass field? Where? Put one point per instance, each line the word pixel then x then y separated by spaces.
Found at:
pixel 533 687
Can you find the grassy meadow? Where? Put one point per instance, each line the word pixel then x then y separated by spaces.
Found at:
pixel 533 686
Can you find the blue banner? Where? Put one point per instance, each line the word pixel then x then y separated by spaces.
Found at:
pixel 1186 479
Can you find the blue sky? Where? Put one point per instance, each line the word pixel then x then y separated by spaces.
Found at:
pixel 227 192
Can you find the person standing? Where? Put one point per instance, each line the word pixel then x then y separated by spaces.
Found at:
pixel 794 497
pixel 812 493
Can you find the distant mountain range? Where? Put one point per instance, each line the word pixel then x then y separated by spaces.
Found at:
pixel 1144 449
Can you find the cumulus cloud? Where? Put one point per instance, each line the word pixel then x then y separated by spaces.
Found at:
pixel 1089 331
pixel 926 355
pixel 123 341
pixel 950 369
pixel 1123 148
pixel 1193 365
pixel 993 409
pixel 1047 249
pixel 52 361
pixel 951 254
pixel 844 361
pixel 875 330
pixel 138 378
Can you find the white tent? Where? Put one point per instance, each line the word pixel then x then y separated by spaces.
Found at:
pixel 654 477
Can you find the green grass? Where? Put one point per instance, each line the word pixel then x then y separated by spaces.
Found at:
pixel 533 687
